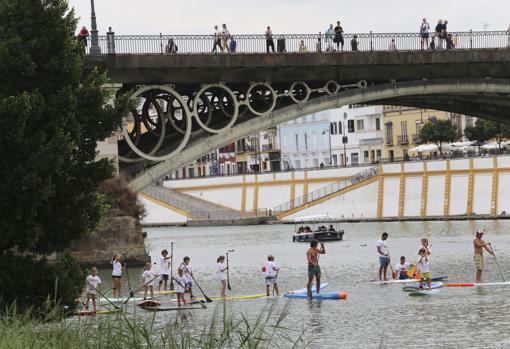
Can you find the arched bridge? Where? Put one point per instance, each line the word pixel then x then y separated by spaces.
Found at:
pixel 191 104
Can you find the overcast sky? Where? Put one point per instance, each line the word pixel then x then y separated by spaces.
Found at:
pixel 289 16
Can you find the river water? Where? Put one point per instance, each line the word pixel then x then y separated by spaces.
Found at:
pixel 373 316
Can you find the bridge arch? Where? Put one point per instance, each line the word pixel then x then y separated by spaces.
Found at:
pixel 486 98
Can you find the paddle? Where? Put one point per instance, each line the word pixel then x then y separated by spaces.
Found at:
pixel 228 274
pixel 127 274
pixel 207 299
pixel 275 278
pixel 131 294
pixel 172 286
pixel 496 260
pixel 102 295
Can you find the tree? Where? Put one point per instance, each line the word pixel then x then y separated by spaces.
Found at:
pixel 52 114
pixel 438 132
pixel 477 133
pixel 498 130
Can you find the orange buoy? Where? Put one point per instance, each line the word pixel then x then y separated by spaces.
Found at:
pixel 342 295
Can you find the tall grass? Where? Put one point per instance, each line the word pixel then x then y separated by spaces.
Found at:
pixel 223 330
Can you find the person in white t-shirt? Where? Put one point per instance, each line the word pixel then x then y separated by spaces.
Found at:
pixel 225 36
pixel 402 268
pixel 116 275
pixel 148 278
pixel 187 269
pixel 384 256
pixel 423 266
pixel 271 275
pixel 222 274
pixel 164 269
pixel 180 287
pixel 93 282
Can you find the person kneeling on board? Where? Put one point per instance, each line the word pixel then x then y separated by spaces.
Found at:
pixel 271 273
pixel 423 266
pixel 314 270
pixel 402 268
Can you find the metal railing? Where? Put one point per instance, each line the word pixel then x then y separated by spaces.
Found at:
pixel 324 191
pixel 256 43
pixel 200 213
pixel 402 139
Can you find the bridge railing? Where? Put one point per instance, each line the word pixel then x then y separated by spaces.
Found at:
pixel 320 42
pixel 324 191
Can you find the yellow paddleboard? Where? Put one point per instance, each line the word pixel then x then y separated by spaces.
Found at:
pixel 162 292
pixel 227 298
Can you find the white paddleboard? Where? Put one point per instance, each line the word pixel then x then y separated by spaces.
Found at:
pixel 424 293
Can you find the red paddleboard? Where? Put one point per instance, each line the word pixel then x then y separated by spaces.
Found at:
pixel 149 303
pixel 84 312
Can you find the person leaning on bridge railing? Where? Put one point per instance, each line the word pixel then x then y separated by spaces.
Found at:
pixel 225 35
pixel 171 47
pixel 269 39
pixel 354 43
pixel 217 40
pixel 339 38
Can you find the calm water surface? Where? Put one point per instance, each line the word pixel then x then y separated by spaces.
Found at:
pixel 373 316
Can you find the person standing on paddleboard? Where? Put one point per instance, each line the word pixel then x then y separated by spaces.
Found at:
pixel 164 269
pixel 423 266
pixel 116 275
pixel 314 270
pixel 384 256
pixel 271 271
pixel 187 269
pixel 222 274
pixel 93 282
pixel 148 277
pixel 479 245
pixel 181 287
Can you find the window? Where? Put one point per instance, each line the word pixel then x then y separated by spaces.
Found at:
pixel 350 126
pixel 306 141
pixel 297 142
pixel 339 127
pixel 335 160
pixel 365 156
pixel 419 125
pixel 360 125
pixel 285 141
pixel 297 164
pixel 469 121
pixel 378 124
pixel 354 159
pixel 378 152
pixel 403 128
pixel 389 133
pixel 345 116
pixel 331 128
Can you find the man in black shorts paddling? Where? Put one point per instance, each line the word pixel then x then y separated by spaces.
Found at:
pixel 314 270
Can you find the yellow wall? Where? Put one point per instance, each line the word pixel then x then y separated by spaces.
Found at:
pixel 396 115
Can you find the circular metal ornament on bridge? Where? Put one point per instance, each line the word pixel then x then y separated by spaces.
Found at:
pixel 162 118
pixel 220 100
pixel 331 87
pixel 362 84
pixel 299 92
pixel 261 98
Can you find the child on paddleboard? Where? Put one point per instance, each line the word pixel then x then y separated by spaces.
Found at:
pixel 116 275
pixel 187 269
pixel 222 274
pixel 148 278
pixel 271 272
pixel 423 266
pixel 93 282
pixel 180 287
pixel 164 269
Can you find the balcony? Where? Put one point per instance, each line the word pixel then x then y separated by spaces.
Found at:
pixel 403 139
pixel 416 139
pixel 389 140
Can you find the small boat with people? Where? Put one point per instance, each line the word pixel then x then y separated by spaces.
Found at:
pixel 321 234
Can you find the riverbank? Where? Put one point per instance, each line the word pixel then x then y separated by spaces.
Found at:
pixel 207 223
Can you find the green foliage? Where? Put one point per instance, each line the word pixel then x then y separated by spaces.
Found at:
pixel 498 131
pixel 224 330
pixel 33 283
pixel 478 132
pixel 52 114
pixel 438 132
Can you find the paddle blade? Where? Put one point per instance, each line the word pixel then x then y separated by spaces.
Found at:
pixel 394 274
pixel 207 299
pixel 228 286
pixel 172 286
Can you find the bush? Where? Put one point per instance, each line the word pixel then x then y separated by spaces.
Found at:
pixel 120 197
pixel 31 283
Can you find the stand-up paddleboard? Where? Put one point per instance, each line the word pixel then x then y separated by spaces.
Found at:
pixel 318 296
pixel 439 278
pixel 433 285
pixel 119 300
pixel 426 292
pixel 304 290
pixel 85 312
pixel 160 293
pixel 149 303
pixel 173 308
pixel 472 284
pixel 195 301
pixel 228 298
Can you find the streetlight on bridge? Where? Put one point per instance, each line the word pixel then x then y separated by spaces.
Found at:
pixel 94 38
